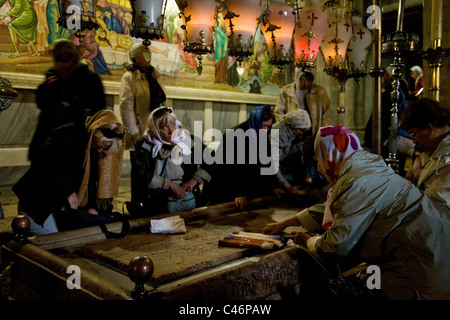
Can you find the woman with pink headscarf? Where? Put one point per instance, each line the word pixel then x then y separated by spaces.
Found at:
pixel 375 216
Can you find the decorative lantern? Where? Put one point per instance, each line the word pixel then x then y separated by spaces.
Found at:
pixel 310 28
pixel 358 49
pixel 334 50
pixel 243 20
pixel 279 21
pixel 199 20
pixel 148 19
pixel 337 37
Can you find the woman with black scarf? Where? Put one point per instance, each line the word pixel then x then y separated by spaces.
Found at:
pixel 141 91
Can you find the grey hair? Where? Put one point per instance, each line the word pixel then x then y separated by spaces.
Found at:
pixel 417 70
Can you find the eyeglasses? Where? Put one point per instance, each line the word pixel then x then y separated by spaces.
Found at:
pixel 110 133
pixel 160 112
pixel 413 134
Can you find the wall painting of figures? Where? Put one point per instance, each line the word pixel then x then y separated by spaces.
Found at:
pixel 29 27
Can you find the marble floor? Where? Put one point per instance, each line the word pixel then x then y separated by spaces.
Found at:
pixel 8 202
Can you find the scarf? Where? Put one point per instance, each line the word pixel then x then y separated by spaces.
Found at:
pixel 109 166
pixel 178 136
pixel 157 95
pixel 256 117
pixel 297 118
pixel 333 145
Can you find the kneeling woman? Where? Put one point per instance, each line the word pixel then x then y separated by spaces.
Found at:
pixel 162 179
pixel 74 175
pixel 374 215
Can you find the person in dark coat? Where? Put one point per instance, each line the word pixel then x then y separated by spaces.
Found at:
pixel 240 161
pixel 70 92
pixel 76 169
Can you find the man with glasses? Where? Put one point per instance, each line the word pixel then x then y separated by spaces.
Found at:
pixel 428 123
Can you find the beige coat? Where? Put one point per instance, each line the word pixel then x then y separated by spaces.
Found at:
pixel 388 222
pixel 317 100
pixel 435 175
pixel 135 102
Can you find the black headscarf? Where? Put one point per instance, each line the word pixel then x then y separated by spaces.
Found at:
pixel 157 95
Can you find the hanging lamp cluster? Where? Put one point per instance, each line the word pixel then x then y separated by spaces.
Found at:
pixel 294 31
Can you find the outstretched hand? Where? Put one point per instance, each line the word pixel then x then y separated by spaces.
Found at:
pixel 73 201
pixel 273 228
pixel 296 190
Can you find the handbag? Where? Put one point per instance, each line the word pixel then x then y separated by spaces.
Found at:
pixel 153 203
pixel 330 283
pixel 104 218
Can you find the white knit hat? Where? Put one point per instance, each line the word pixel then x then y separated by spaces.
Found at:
pixel 136 49
pixel 297 119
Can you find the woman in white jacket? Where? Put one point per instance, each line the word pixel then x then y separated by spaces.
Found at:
pixel 141 91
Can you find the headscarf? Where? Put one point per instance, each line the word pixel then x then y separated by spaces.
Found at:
pixel 297 119
pixel 109 165
pixel 256 118
pixel 298 74
pixel 299 93
pixel 153 136
pixel 333 145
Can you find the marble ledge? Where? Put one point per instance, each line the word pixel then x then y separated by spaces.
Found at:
pixel 31 81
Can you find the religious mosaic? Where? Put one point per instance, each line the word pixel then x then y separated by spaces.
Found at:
pixel 28 29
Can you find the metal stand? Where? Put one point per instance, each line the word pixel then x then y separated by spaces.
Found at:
pixel 397 46
pixel 392 160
